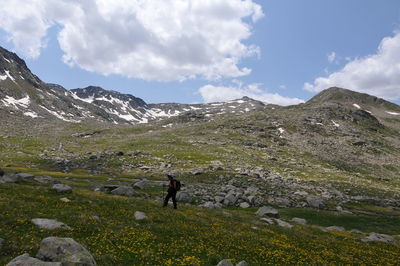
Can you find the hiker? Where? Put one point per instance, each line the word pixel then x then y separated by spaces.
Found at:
pixel 172 189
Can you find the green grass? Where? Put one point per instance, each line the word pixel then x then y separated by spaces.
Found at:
pixel 188 236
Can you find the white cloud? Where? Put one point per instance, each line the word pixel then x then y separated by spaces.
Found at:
pixel 149 39
pixel 377 74
pixel 211 93
pixel 331 57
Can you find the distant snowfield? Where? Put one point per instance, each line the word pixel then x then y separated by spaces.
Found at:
pixel 392 113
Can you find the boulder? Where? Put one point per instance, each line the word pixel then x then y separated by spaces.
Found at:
pixel 183 196
pixel 140 215
pixel 10 179
pixel 61 188
pixel 225 263
pixel 315 202
pixel 66 200
pixel 140 185
pixel 65 250
pixel 375 237
pixel 268 212
pixel 230 199
pixel 49 224
pixel 242 263
pixel 267 220
pixel 280 202
pixel 26 260
pixel 300 221
pixel 124 191
pixel 219 199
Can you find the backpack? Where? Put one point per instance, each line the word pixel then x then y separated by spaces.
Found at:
pixel 178 185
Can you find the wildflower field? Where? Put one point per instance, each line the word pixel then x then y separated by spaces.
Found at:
pixel 188 236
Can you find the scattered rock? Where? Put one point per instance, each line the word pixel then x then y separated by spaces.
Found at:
pixel 26 260
pixel 375 237
pixel 10 179
pixel 124 191
pixel 300 221
pixel 66 200
pixel 140 185
pixel 356 231
pixel 315 202
pixel 65 250
pixel 183 196
pixel 335 228
pixel 140 215
pixel 225 263
pixel 25 176
pixel 267 220
pixel 46 180
pixel 244 205
pixel 242 263
pixel 49 224
pixel 283 223
pixel 267 211
pixel 61 188
pixel 280 202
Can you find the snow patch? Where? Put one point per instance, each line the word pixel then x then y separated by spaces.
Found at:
pixel 392 113
pixel 31 114
pixel 10 101
pixel 59 116
pixel 356 106
pixel 335 124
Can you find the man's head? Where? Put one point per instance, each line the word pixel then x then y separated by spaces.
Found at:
pixel 170 176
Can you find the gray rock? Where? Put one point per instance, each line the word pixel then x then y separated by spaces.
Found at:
pixel 281 202
pixel 26 260
pixel 225 263
pixel 140 185
pixel 49 224
pixel 65 250
pixel 300 221
pixel 267 211
pixel 140 215
pixel 244 205
pixel 356 231
pixel 25 176
pixel 61 188
pixel 267 220
pixel 10 179
pixel 375 237
pixel 283 223
pixel 183 196
pixel 242 263
pixel 124 191
pixel 208 205
pixel 46 180
pixel 335 228
pixel 230 199
pixel 315 202
pixel 218 199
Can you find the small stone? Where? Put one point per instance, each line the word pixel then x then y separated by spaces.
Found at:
pixel 300 221
pixel 244 205
pixel 267 220
pixel 140 185
pixel 315 202
pixel 225 263
pixel 25 176
pixel 283 223
pixel 242 263
pixel 66 200
pixel 49 224
pixel 335 228
pixel 46 180
pixel 124 191
pixel 140 215
pixel 61 188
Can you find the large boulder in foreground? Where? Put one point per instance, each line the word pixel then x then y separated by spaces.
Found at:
pixel 268 212
pixel 65 250
pixel 26 260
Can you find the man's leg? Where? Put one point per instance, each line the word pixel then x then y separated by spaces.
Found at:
pixel 167 199
pixel 174 200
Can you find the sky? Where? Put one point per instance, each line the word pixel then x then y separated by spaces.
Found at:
pixel 193 51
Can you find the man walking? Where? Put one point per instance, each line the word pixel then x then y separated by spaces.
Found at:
pixel 172 189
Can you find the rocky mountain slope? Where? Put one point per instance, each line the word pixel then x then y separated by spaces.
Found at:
pixel 25 96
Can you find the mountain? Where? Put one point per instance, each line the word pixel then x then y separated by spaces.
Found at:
pixel 23 95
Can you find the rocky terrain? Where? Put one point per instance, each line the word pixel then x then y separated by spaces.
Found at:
pixel 285 182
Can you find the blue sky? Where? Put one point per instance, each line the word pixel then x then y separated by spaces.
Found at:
pixel 293 42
